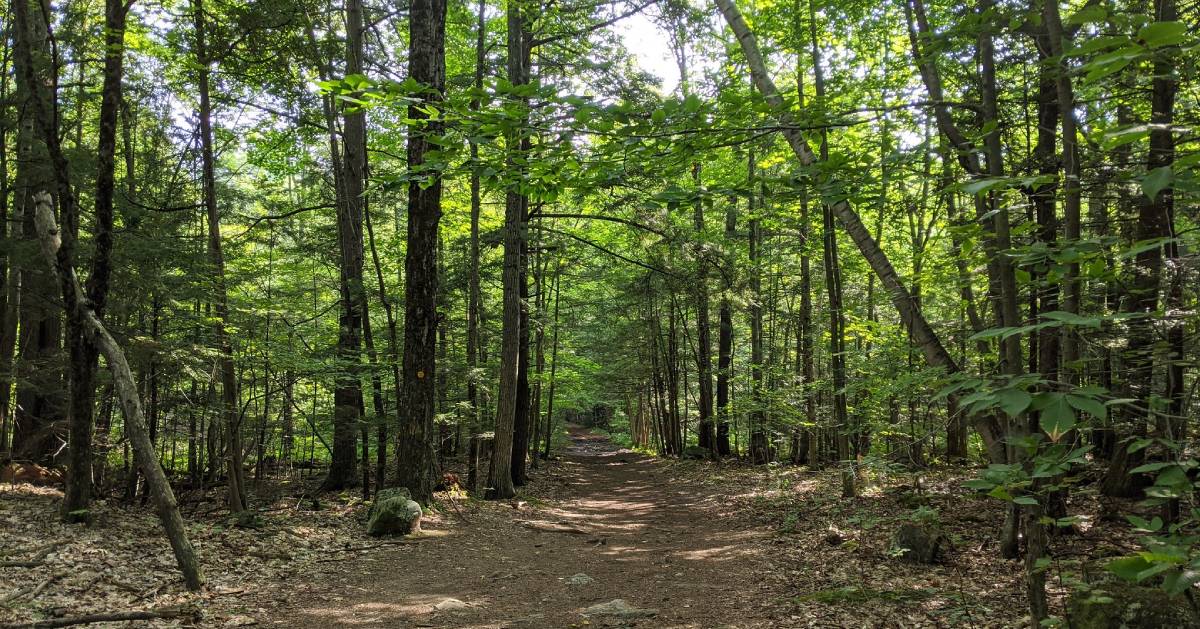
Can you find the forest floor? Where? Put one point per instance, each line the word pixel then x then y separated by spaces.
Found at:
pixel 681 543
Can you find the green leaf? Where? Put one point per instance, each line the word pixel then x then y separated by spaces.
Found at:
pixel 1160 34
pixel 1071 318
pixel 1128 568
pixel 1013 401
pixel 1088 14
pixel 1057 416
pixel 1025 500
pixel 1089 405
pixel 659 116
pixel 1158 179
pixel 1151 467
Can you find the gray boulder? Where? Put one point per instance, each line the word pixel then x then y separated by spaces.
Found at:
pixel 618 608
pixel 920 543
pixel 394 512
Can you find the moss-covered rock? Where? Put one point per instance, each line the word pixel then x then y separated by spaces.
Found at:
pixel 920 543
pixel 1126 606
pixel 696 453
pixel 394 512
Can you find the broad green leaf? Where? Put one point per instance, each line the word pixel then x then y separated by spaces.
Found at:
pixel 1071 318
pixel 1156 181
pixel 1013 401
pixel 1089 405
pixel 1159 34
pixel 1128 568
pixel 1057 416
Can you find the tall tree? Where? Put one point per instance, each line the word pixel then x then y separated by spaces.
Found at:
pixel 231 413
pixel 84 353
pixel 427 65
pixel 347 394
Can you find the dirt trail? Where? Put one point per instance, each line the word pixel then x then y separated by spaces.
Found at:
pixel 613 515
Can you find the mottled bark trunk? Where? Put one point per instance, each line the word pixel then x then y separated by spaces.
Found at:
pixel 84 353
pixel 347 392
pixel 427 64
pixel 41 405
pixel 725 340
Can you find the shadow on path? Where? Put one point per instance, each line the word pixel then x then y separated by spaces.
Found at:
pixel 615 517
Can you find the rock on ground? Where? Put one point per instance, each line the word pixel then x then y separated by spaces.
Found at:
pixel 394 512
pixel 920 544
pixel 618 608
pixel 579 579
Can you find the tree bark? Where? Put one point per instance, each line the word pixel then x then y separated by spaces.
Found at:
pixel 164 498
pixel 40 401
pixel 84 353
pixel 229 385
pixel 501 485
pixel 725 338
pixel 347 393
pixel 427 64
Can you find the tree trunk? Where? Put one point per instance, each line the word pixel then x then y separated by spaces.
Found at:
pixel 553 363
pixel 164 498
pixel 475 295
pixel 427 64
pixel 725 340
pixel 347 393
pixel 41 405
pixel 82 352
pixel 229 389
pixel 501 485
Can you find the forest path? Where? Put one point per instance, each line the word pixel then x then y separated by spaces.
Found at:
pixel 615 516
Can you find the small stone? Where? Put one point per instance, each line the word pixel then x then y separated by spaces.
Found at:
pixel 240 621
pixel 618 608
pixel 579 579
pixel 451 605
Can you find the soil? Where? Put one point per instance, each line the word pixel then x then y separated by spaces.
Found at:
pixel 611 514
pixel 657 542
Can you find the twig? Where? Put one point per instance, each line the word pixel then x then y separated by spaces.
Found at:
pixel 149 614
pixel 35 591
pixel 36 560
pixel 457 511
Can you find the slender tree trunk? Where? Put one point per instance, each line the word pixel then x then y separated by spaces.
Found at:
pixel 475 295
pixel 521 424
pixel 164 498
pixel 1155 220
pixel 725 340
pixel 229 386
pixel 9 284
pixel 347 393
pixel 427 64
pixel 501 485
pixel 553 363
pixel 833 288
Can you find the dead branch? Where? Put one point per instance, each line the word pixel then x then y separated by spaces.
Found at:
pixel 149 614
